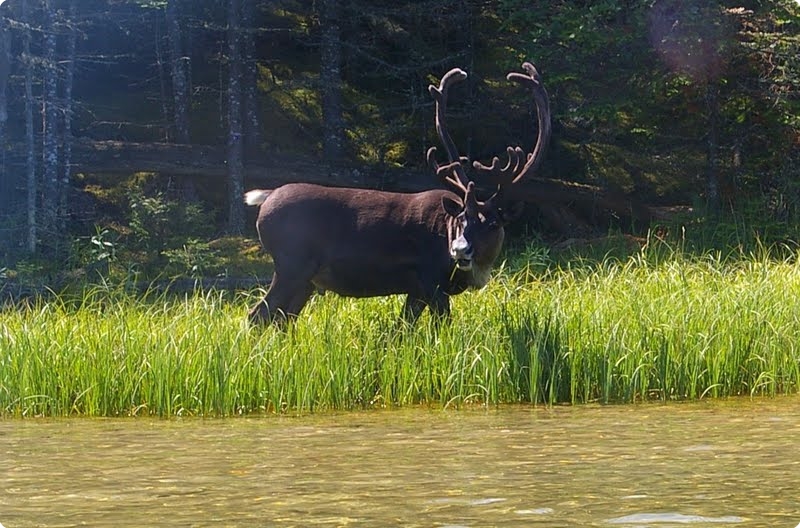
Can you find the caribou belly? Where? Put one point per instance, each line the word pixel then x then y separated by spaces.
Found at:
pixel 367 279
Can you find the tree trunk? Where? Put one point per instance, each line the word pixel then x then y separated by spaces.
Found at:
pixel 51 189
pixel 8 179
pixel 162 84
pixel 252 125
pixel 69 78
pixel 331 81
pixel 712 145
pixel 5 69
pixel 179 62
pixel 180 65
pixel 32 237
pixel 235 143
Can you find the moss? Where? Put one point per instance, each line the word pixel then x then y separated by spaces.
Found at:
pixel 242 256
pixel 632 169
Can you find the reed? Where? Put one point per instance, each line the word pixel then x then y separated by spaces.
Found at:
pixel 653 326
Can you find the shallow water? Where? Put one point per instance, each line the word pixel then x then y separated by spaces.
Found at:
pixel 707 464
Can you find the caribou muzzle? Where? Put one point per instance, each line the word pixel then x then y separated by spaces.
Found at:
pixel 461 252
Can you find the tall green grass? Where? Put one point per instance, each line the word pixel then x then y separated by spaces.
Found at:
pixel 649 327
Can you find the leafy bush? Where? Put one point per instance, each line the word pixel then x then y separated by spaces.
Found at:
pixel 194 259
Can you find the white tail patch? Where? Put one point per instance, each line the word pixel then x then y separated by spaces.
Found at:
pixel 256 196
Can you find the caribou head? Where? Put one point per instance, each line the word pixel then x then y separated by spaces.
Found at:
pixel 364 243
pixel 478 225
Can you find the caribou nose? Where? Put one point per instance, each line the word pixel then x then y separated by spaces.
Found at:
pixel 461 249
pixel 461 252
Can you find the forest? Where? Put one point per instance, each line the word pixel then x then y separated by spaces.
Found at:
pixel 129 129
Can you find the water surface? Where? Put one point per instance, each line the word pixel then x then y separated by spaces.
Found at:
pixel 708 464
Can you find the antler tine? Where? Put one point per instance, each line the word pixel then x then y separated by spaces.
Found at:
pixel 497 175
pixel 512 172
pixel 447 172
pixel 453 172
pixel 533 80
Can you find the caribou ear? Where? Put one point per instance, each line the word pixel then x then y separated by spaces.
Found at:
pixel 510 212
pixel 451 206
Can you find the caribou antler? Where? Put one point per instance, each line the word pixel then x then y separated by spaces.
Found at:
pixel 512 172
pixel 519 165
pixel 453 172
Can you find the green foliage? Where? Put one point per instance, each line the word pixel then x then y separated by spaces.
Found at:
pixel 150 217
pixel 659 325
pixel 32 271
pixel 628 80
pixel 170 232
pixel 634 75
pixel 194 259
pixel 102 249
pixel 95 253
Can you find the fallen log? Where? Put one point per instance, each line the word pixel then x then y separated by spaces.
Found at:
pixel 563 203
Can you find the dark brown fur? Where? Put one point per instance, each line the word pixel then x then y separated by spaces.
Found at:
pixel 362 243
pixel 365 243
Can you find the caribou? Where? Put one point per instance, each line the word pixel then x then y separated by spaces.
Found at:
pixel 429 245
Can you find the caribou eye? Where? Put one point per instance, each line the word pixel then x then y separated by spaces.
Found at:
pixel 491 222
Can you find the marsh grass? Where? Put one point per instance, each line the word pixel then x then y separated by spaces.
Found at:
pixel 656 326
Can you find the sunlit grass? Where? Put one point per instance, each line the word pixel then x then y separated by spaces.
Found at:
pixel 650 327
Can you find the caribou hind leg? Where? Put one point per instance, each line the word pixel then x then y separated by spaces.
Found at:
pixel 299 300
pixel 268 310
pixel 283 301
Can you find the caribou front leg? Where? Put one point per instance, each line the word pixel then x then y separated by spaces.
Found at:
pixel 440 306
pixel 412 309
pixel 438 303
